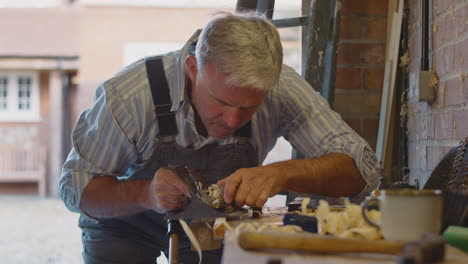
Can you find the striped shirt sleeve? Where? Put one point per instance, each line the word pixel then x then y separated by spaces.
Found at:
pixel 103 144
pixel 315 130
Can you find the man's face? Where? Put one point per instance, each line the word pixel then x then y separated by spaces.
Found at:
pixel 222 108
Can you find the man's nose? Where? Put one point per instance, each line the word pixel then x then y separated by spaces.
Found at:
pixel 233 118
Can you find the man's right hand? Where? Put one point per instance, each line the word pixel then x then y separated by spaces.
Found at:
pixel 166 191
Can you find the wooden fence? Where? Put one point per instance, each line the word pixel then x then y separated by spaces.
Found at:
pixel 19 165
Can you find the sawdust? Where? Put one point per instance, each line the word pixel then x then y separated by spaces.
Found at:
pixel 434 81
pixel 405 59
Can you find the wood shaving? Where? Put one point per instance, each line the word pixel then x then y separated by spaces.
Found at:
pixel 349 223
pixel 192 239
pixel 212 195
pixel 434 81
pixel 220 226
pixel 265 227
pixel 305 202
pixel 405 59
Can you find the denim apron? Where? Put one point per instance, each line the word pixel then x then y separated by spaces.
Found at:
pixel 140 238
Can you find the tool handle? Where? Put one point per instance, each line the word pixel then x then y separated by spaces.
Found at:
pixel 316 243
pixel 174 248
pixel 173 230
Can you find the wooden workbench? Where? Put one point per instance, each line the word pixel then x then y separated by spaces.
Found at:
pixel 233 254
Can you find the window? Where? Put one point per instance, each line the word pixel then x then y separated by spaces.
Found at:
pixel 19 97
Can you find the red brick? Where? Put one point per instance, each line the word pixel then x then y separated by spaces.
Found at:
pixel 461 124
pixel 443 125
pixel 348 78
pixel 373 78
pixel 356 104
pixel 440 6
pixel 453 92
pixel 439 29
pixel 350 28
pixel 361 53
pixel 371 129
pixel 354 123
pixel 460 55
pixel 375 28
pixel 440 94
pixel 460 21
pixel 443 60
pixel 364 7
pixel 445 30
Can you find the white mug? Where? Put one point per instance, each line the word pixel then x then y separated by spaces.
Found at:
pixel 407 213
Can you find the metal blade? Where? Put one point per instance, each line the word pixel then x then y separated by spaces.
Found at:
pixel 195 210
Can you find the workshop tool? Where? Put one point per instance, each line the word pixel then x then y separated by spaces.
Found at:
pixel 307 223
pixel 198 206
pixel 173 230
pixel 430 248
pixel 195 208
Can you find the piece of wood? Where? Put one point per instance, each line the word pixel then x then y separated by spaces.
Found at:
pixel 233 254
pixel 388 91
pixel 392 8
pixel 204 235
pixel 315 243
pixel 271 215
pixel 174 248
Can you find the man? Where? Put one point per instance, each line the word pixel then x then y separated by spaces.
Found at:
pixel 217 105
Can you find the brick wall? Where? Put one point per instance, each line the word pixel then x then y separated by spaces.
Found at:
pixel 436 127
pixel 360 65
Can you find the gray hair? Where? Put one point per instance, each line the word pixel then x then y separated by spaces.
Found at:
pixel 245 46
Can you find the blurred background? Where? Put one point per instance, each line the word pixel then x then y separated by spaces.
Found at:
pixel 53 54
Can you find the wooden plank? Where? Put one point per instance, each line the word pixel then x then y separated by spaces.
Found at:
pixel 233 254
pixel 388 91
pixel 392 8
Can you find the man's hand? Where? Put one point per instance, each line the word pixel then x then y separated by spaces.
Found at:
pixel 252 186
pixel 334 175
pixel 166 191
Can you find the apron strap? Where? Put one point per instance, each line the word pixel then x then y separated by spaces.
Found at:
pixel 161 97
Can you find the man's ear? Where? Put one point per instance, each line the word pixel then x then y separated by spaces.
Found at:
pixel 191 66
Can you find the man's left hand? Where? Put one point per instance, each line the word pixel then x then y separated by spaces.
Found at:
pixel 252 186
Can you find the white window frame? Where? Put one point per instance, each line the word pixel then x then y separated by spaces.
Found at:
pixel 12 113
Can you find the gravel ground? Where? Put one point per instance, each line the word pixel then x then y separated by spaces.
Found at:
pixel 41 230
pixel 38 230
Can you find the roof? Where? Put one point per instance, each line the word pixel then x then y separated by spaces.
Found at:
pixel 39 31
